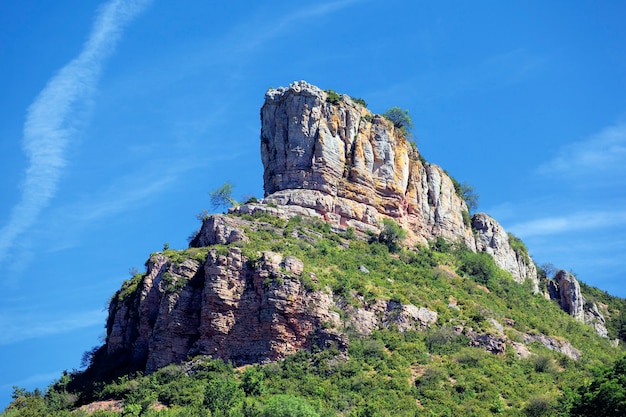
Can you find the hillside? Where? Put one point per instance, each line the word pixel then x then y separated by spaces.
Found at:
pixel 360 285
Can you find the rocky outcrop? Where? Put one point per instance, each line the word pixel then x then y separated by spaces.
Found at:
pixel 225 308
pixel 494 240
pixel 352 167
pixel 565 289
pixel 385 314
pixel 220 230
pixel 333 160
pixel 338 161
pixel 552 343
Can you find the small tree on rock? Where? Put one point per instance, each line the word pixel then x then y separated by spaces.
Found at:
pixel 400 119
pixel 223 196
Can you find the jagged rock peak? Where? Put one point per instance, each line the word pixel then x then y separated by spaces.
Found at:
pixel 353 167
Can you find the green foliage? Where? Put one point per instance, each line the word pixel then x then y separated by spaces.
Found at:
pixel 389 372
pixel 284 405
pixel 400 119
pixel 359 100
pixel 368 117
pixel 519 247
pixel 606 395
pixel 222 197
pixel 479 266
pixel 392 235
pixel 332 97
pixel 128 287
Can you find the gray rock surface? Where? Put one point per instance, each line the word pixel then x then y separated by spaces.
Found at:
pixel 564 288
pixel 494 240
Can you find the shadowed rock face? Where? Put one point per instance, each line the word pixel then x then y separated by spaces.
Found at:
pixel 565 289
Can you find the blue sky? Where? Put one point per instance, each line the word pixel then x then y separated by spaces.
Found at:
pixel 118 117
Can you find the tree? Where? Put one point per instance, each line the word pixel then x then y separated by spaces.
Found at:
pixel 606 395
pixel 469 196
pixel 391 235
pixel 285 405
pixel 400 119
pixel 223 196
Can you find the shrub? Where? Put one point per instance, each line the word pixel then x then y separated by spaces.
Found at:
pixel 332 97
pixel 391 235
pixel 479 266
pixel 400 119
pixel 283 405
pixel 359 100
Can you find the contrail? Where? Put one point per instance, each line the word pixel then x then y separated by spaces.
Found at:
pixel 53 118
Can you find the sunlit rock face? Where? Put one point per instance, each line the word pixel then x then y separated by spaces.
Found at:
pixel 353 167
pixel 494 240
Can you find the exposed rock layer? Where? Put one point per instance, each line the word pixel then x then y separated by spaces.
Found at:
pixel 352 168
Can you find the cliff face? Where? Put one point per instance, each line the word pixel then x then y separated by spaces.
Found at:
pixel 224 308
pixel 332 161
pixel 493 239
pixel 235 308
pixel 353 168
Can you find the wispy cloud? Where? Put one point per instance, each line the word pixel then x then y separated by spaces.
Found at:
pixel 32 380
pixel 31 327
pixel 600 157
pixel 55 116
pixel 569 223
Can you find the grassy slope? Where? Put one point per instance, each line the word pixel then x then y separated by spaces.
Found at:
pixel 389 373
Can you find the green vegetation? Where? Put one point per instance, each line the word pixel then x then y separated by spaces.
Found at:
pixel 222 197
pixel 359 100
pixel 466 192
pixel 332 97
pixel 389 373
pixel 605 395
pixel 519 247
pixel 400 119
pixel 392 235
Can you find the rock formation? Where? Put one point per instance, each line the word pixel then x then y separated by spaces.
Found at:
pixel 334 161
pixel 565 289
pixel 493 239
pixel 352 167
pixel 340 162
pixel 223 308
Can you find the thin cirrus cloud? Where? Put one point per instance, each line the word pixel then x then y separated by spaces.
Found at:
pixel 55 116
pixel 570 223
pixel 602 157
pixel 34 327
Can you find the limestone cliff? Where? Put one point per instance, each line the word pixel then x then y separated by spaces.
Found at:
pixel 493 239
pixel 334 161
pixel 353 168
